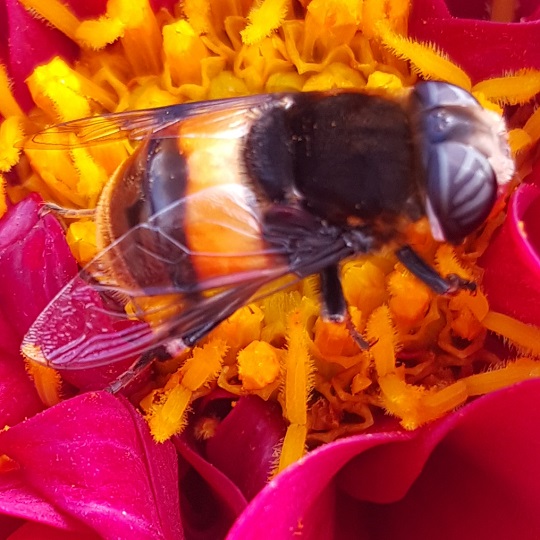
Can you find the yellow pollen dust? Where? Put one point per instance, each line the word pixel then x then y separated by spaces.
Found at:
pixel 427 353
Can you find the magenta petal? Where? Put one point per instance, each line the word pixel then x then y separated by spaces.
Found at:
pixel 29 42
pixel 210 502
pixel 18 396
pixel 35 262
pixel 37 531
pixel 19 500
pixel 93 459
pixel 244 444
pixel 512 260
pixel 484 49
pixel 472 475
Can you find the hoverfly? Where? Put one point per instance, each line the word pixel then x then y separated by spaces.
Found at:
pixel 223 198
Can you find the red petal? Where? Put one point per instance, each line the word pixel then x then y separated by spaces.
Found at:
pixel 472 475
pixel 93 459
pixel 484 49
pixel 512 260
pixel 35 262
pixel 244 444
pixel 27 43
pixel 210 502
pixel 37 531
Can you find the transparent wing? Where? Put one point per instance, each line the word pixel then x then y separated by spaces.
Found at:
pixel 148 123
pixel 152 285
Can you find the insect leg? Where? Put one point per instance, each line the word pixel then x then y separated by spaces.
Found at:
pixel 335 305
pixel 124 379
pixel 423 271
pixel 68 213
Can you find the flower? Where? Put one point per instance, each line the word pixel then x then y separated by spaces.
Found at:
pixel 274 378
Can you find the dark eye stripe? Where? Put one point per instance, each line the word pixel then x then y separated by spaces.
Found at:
pixel 461 187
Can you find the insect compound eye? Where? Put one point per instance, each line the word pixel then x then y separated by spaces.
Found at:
pixel 442 124
pixel 461 189
pixel 435 94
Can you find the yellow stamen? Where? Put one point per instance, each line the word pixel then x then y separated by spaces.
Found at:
pixel 512 89
pixel 381 333
pixel 3 202
pixel 519 370
pixel 8 104
pixel 64 93
pixel 297 385
pixel 96 34
pixel 56 14
pixel 169 417
pixel 532 126
pixel 47 381
pixel 298 372
pixel 519 139
pixel 11 134
pixel 523 336
pixel 447 263
pixel 263 19
pixel 166 414
pixel 426 60
pixel 293 448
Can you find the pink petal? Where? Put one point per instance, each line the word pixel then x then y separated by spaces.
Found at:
pixel 479 9
pixel 35 262
pixel 28 42
pixel 37 531
pixel 472 475
pixel 245 442
pixel 93 459
pixel 210 502
pixel 484 49
pixel 512 260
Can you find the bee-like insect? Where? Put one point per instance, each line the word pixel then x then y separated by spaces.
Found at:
pixel 223 198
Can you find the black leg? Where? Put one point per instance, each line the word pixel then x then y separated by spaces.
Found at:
pixel 335 305
pixel 424 272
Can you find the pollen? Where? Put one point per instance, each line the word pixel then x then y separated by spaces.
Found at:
pixel 258 365
pixel 81 237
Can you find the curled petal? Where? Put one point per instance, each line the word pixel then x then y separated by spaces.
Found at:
pixel 471 475
pixel 210 502
pixel 244 445
pixel 512 261
pixel 27 241
pixel 35 262
pixel 92 459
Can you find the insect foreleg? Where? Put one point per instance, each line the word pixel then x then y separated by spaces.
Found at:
pixel 335 306
pixel 423 271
